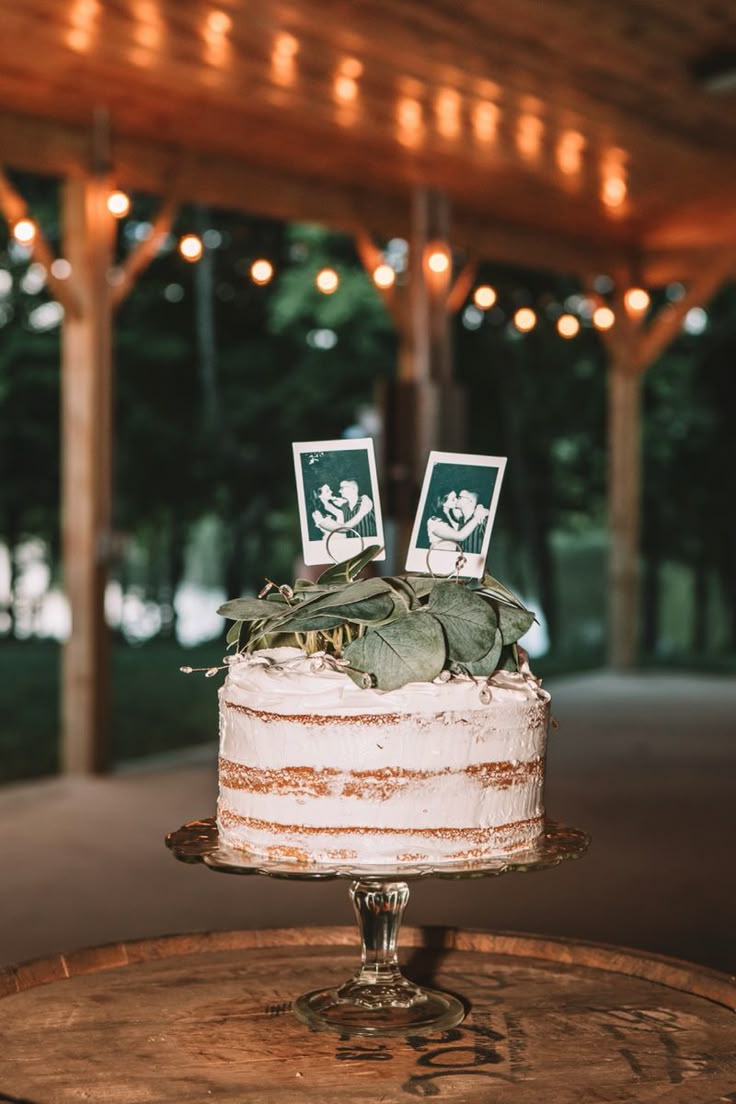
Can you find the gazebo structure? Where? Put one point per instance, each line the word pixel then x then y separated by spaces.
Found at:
pixel 575 137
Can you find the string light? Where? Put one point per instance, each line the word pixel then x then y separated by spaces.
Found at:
pixel 261 271
pixel 636 300
pixel 525 319
pixel 438 261
pixel 24 231
pixel 190 247
pixel 484 297
pixel 603 318
pixel 568 325
pixel 118 203
pixel 327 281
pixel 384 276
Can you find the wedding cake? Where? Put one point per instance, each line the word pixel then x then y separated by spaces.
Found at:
pixel 391 722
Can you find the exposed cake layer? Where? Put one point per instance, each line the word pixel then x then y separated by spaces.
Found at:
pixel 315 767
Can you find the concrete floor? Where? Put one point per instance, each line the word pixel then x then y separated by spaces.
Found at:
pixel 646 763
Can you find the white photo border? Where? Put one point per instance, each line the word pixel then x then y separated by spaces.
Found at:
pixel 439 560
pixel 316 551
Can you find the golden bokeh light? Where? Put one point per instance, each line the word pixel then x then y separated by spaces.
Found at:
pixel 24 231
pixel 603 318
pixel 484 120
pixel 568 325
pixel 118 203
pixel 327 281
pixel 525 319
pixel 261 271
pixel 283 59
pixel 636 300
pixel 410 120
pixel 484 297
pixel 569 152
pixel 447 106
pixel 529 132
pixel 218 22
pixel 190 247
pixel 384 276
pixel 438 261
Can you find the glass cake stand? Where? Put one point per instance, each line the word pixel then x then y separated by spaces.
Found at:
pixel 378 999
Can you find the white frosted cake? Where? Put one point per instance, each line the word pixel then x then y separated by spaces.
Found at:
pixel 314 768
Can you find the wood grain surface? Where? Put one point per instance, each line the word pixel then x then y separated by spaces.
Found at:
pixel 199 1017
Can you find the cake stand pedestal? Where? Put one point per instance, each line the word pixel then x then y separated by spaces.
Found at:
pixel 378 999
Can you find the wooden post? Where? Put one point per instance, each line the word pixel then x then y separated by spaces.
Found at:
pixel 624 466
pixel 86 412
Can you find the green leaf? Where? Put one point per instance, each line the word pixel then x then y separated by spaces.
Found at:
pixel 233 633
pixel 370 610
pixel 513 623
pixel 410 649
pixel 509 658
pixel 488 663
pixel 347 570
pixel 422 584
pixel 468 621
pixel 497 590
pixel 247 609
pixel 404 590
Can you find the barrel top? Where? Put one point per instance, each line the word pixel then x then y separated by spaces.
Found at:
pixel 180 1017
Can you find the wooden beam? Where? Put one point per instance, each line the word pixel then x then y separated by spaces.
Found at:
pixel 461 286
pixel 667 324
pixel 86 466
pixel 144 253
pixel 14 207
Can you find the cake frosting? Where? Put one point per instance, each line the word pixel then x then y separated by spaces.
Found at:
pixel 316 769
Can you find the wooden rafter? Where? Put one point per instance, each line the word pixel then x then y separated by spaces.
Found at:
pixel 145 252
pixel 14 208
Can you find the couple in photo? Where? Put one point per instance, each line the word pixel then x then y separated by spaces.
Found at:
pixel 459 517
pixel 348 510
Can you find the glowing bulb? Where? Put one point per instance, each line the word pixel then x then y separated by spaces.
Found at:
pixel 438 261
pixel 384 276
pixel 525 319
pixel 567 325
pixel 327 281
pixel 118 204
pixel 261 272
pixel 191 247
pixel 636 300
pixel 24 231
pixel 219 22
pixel 603 318
pixel 484 297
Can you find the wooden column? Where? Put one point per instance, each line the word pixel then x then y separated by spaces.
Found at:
pixel 86 412
pixel 624 466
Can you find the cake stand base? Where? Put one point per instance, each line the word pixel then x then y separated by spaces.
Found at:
pixel 379 1000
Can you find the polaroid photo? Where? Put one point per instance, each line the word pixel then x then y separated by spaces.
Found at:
pixel 339 504
pixel 455 513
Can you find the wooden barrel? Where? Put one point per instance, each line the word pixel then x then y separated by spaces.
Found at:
pixel 191 1018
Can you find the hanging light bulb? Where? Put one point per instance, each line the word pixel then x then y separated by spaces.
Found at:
pixel 568 325
pixel 636 300
pixel 190 247
pixel 261 271
pixel 118 203
pixel 525 319
pixel 438 261
pixel 603 318
pixel 384 276
pixel 327 281
pixel 484 297
pixel 24 231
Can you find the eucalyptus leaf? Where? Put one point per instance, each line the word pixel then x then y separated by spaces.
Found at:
pixel 468 621
pixel 375 608
pixel 346 571
pixel 247 609
pixel 509 658
pixel 513 623
pixel 488 663
pixel 404 590
pixel 409 649
pixel 233 633
pixel 499 591
pixel 422 584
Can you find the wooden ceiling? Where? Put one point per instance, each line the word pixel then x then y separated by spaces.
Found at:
pixel 566 132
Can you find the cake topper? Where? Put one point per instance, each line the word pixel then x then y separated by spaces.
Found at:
pixel 457 506
pixel 339 503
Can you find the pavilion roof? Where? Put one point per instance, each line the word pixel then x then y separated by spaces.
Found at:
pixel 563 132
